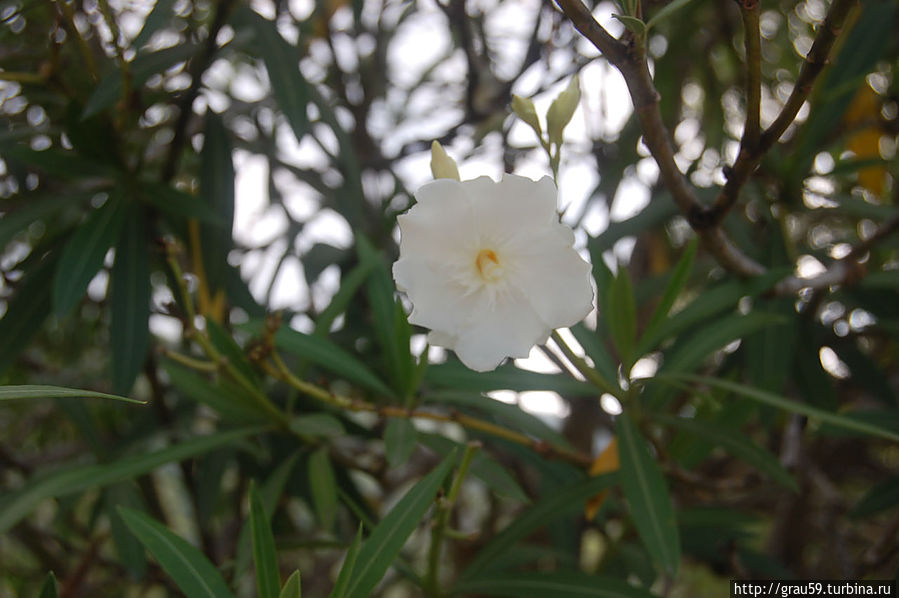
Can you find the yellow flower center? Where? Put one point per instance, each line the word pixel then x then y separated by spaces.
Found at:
pixel 488 265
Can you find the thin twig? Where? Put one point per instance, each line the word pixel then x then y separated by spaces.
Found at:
pixel 749 157
pixel 629 57
pixel 749 10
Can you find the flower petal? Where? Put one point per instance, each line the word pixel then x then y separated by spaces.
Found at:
pixel 513 205
pixel 549 264
pixel 508 328
pixel 441 223
pixel 438 302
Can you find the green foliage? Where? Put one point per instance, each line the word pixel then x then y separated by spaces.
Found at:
pixel 198 217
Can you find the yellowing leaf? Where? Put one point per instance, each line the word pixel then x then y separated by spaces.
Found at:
pixel 605 462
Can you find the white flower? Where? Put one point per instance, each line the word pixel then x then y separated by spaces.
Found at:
pixel 489 268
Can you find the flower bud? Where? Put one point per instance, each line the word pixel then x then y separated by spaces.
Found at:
pixel 525 110
pixel 442 166
pixel 561 111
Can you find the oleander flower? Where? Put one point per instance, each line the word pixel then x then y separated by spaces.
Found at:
pixel 489 268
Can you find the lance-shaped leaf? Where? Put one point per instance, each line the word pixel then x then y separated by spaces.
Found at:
pixel 188 568
pixel 37 391
pixel 647 496
pixel 268 581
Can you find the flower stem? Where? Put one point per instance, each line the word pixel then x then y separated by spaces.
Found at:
pixel 586 371
pixel 444 508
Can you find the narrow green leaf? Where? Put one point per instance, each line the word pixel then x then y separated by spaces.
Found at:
pixel 57 163
pixel 712 302
pixel 35 391
pixel 265 557
pixel 633 23
pixel 672 290
pixel 554 505
pixel 666 11
pixel 83 253
pixel 768 398
pixel 622 317
pixel 389 536
pixel 326 354
pixel 229 348
pixel 349 563
pixel 689 352
pixel 292 588
pixel 770 352
pixel 389 322
pixel 49 590
pixel 74 479
pixel 180 204
pixel 456 376
pixel 483 467
pixel 317 425
pixel 647 496
pixel 282 63
pixel 399 441
pixel 130 551
pixel 349 286
pixel 109 89
pixel 735 444
pixel 596 350
pixel 130 301
pixel 323 485
pixel 37 207
pixel 188 568
pixel 217 191
pixel 227 400
pixel 270 492
pixel 569 584
pixel 881 497
pixel 162 14
pixel 503 412
pixel 25 312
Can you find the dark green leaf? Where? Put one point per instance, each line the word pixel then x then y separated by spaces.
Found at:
pixel 387 539
pixel 553 505
pixel 37 208
pixel 735 444
pixel 666 11
pixel 78 478
pixel 292 588
pixel 130 301
pixel 181 204
pixel 217 190
pixel 323 485
pixel 57 163
pixel 48 590
pixel 346 570
pixel 32 391
pixel 349 286
pixel 672 291
pixel 326 354
pixel 399 441
pixel 881 497
pixel 83 253
pixel 652 511
pixel 159 17
pixel 229 401
pixel 130 551
pixel 317 425
pixel 543 585
pixel 188 568
pixel 622 317
pixel 596 350
pixel 109 89
pixel 767 398
pixel 265 557
pixel 229 348
pixel 770 352
pixel 282 63
pixel 456 376
pixel 25 312
pixel 483 467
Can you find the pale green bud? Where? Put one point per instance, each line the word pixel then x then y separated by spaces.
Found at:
pixel 442 166
pixel 525 110
pixel 561 111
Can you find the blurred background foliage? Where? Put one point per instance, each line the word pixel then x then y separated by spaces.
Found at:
pixel 174 173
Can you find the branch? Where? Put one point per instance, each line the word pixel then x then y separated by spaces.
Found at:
pixel 630 59
pixel 749 157
pixel 842 271
pixel 749 10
